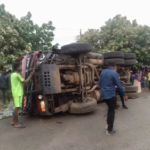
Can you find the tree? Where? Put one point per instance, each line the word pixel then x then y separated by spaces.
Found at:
pixel 117 34
pixel 40 37
pixel 11 44
pixel 92 36
pixel 120 34
pixel 18 37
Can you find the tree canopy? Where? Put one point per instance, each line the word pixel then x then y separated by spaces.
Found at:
pixel 21 36
pixel 92 36
pixel 120 34
pixel 40 37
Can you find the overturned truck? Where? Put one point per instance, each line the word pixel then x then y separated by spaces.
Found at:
pixel 66 79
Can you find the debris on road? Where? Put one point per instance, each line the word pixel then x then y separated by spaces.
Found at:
pixel 8 112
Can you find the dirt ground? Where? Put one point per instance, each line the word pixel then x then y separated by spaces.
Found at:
pixel 2 108
pixel 82 132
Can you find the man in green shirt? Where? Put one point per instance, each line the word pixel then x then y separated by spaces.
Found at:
pixel 17 91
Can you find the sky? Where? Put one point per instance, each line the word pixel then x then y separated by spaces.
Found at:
pixel 69 16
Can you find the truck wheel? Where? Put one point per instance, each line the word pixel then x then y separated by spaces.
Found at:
pixel 127 84
pixel 76 48
pixel 116 54
pixel 130 62
pixel 117 61
pixel 131 88
pixel 129 56
pixel 132 95
pixel 87 106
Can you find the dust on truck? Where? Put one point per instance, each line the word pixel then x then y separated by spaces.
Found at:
pixel 66 79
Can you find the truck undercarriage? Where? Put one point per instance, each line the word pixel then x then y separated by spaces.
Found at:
pixel 67 79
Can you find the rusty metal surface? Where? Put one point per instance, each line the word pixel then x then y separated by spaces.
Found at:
pixel 123 77
pixel 67 66
pixel 97 95
pixel 65 77
pixel 94 61
pixel 93 88
pixel 93 72
pixel 50 78
pixel 94 55
pixel 64 107
pixel 76 78
pixel 73 89
pixel 72 78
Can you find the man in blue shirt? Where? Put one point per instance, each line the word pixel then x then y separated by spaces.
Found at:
pixel 107 82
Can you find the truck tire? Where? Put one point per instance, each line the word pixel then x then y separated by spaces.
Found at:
pixel 94 56
pixel 127 84
pixel 82 108
pixel 130 62
pixel 131 88
pixel 132 95
pixel 129 56
pixel 116 54
pixel 76 48
pixel 117 61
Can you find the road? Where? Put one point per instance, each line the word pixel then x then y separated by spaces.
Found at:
pixel 82 132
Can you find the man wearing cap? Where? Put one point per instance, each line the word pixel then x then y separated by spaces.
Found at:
pixel 107 82
pixel 4 87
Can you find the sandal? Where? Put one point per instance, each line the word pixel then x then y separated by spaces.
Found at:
pixel 20 126
pixel 13 123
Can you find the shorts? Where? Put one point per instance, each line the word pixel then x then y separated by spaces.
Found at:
pixel 18 101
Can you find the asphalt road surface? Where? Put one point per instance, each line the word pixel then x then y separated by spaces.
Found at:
pixel 82 132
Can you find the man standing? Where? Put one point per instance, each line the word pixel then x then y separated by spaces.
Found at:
pixel 107 82
pixel 4 87
pixel 17 92
pixel 149 78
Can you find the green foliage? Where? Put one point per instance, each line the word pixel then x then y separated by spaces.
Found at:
pixel 120 34
pixel 18 37
pixel 11 44
pixel 39 37
pixel 92 36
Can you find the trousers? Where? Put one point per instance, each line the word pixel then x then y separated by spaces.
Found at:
pixel 4 94
pixel 121 96
pixel 111 103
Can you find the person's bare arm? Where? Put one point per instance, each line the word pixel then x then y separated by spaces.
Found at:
pixel 30 76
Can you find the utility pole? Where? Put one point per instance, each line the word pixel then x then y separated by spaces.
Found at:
pixel 80 34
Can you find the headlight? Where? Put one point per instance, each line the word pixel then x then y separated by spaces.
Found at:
pixel 42 103
pixel 40 96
